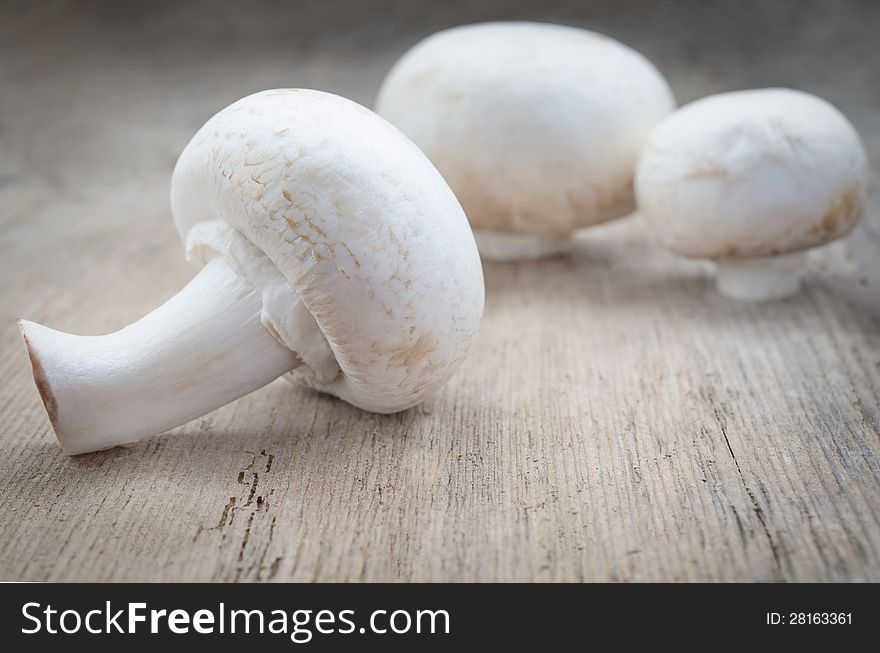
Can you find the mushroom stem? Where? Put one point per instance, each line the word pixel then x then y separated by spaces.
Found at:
pixel 504 247
pixel 203 348
pixel 761 278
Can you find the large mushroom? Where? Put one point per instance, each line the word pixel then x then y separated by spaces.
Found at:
pixel 536 127
pixel 753 179
pixel 333 249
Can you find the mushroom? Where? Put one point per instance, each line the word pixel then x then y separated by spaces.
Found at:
pixel 752 179
pixel 332 249
pixel 536 127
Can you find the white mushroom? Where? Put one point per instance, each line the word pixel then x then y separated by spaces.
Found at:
pixel 536 127
pixel 752 179
pixel 333 249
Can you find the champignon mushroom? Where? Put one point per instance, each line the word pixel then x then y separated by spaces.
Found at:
pixel 536 127
pixel 752 179
pixel 333 248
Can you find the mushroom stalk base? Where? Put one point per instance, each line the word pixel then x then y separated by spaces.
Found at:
pixel 761 278
pixel 203 348
pixel 504 247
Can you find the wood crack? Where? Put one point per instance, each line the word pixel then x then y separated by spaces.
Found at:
pixel 778 574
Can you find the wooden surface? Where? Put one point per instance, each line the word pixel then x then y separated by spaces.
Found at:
pixel 616 420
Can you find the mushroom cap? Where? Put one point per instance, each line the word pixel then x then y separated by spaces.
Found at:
pixel 752 173
pixel 328 208
pixel 536 127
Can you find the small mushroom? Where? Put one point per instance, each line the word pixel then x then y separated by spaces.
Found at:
pixel 536 127
pixel 752 179
pixel 332 249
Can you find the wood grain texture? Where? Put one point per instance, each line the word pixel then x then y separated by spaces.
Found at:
pixel 616 420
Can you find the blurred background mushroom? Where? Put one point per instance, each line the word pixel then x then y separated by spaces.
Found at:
pixel 536 127
pixel 753 179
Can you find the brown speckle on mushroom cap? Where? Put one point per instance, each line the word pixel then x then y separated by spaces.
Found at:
pixel 842 216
